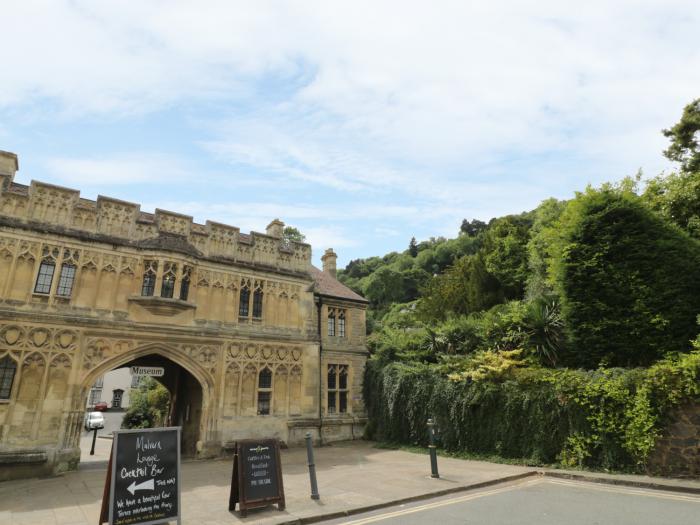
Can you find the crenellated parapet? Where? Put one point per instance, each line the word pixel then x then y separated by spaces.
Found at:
pixel 65 210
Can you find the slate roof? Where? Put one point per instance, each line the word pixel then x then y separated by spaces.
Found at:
pixel 324 284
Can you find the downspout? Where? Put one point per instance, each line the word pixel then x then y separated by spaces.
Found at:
pixel 320 375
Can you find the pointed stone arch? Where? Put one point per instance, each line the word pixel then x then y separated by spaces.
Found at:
pixel 175 355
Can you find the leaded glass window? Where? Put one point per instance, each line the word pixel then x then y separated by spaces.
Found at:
pixel 257 303
pixel 8 367
pixel 244 304
pixel 65 280
pixel 45 276
pixel 149 278
pixel 264 391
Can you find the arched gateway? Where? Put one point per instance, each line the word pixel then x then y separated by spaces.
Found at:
pixel 255 341
pixel 191 388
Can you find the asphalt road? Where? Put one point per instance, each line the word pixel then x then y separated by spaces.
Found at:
pixel 544 502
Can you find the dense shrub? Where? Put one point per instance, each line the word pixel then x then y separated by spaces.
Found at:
pixel 605 418
pixel 629 281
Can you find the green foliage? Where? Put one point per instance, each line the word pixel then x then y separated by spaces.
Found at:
pixel 685 138
pixel 148 405
pixel 628 280
pixel 546 215
pixel 472 228
pixel 677 198
pixel 606 419
pixel 290 233
pixel 465 288
pixel 505 254
pixel 413 247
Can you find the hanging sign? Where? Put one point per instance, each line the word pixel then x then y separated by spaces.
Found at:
pixel 256 480
pixel 143 477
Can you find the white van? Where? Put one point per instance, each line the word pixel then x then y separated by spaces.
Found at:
pixel 94 420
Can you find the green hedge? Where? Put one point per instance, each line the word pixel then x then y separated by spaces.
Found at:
pixel 606 419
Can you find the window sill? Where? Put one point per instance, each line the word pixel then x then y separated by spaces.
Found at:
pixel 161 305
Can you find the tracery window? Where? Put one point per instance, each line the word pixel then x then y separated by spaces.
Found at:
pixel 167 288
pixel 46 270
pixel 185 282
pixel 8 367
pixel 337 389
pixel 149 278
pixel 331 322
pixel 257 302
pixel 244 303
pixel 264 391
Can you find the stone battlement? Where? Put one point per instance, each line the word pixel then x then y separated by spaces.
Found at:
pixel 64 209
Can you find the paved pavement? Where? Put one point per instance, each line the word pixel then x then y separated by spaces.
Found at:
pixel 543 501
pixel 351 476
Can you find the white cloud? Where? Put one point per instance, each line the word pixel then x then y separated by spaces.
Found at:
pixel 118 170
pixel 452 109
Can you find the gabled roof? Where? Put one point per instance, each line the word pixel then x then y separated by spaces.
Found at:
pixel 326 285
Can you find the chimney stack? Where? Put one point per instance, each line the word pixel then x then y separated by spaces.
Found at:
pixel 329 259
pixel 275 229
pixel 8 167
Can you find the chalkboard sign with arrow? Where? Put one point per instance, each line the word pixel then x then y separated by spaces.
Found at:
pixel 143 478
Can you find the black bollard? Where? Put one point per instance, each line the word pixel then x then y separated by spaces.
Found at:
pixel 312 467
pixel 432 449
pixel 94 438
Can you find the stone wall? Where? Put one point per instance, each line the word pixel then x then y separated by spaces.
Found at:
pixel 677 453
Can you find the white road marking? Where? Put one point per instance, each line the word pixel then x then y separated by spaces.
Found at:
pixel 437 504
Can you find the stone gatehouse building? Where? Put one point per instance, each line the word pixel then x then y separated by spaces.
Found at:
pixel 254 340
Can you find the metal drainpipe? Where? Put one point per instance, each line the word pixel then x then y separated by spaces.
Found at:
pixel 320 375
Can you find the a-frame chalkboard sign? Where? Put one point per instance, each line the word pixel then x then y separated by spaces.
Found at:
pixel 143 478
pixel 256 480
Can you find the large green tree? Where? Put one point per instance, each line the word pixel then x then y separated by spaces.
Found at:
pixel 629 280
pixel 685 138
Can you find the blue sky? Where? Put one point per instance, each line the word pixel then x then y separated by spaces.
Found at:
pixel 361 123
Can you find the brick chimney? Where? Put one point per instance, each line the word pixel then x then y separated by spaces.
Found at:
pixel 329 259
pixel 8 167
pixel 275 229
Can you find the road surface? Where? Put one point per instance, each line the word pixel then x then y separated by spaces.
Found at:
pixel 544 501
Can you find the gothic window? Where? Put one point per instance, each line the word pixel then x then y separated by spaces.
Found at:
pixel 167 289
pixel 45 277
pixel 331 322
pixel 341 323
pixel 185 282
pixel 149 278
pixel 8 367
pixel 244 304
pixel 337 389
pixel 48 265
pixel 65 280
pixel 264 391
pixel 257 303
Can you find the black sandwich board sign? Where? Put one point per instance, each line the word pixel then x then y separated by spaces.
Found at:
pixel 143 478
pixel 256 480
